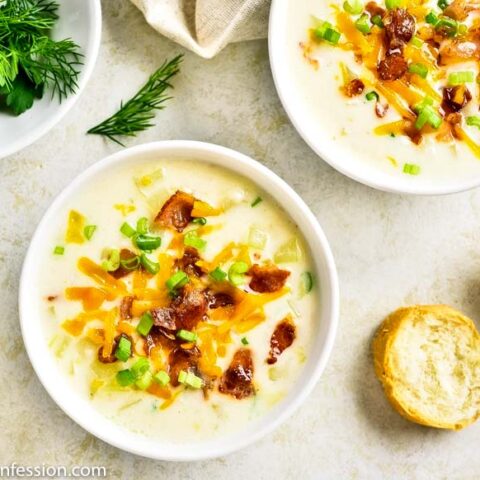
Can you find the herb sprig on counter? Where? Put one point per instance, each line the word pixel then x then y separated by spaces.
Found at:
pixel 137 113
pixel 30 61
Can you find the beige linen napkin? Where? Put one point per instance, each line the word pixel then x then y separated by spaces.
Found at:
pixel 206 26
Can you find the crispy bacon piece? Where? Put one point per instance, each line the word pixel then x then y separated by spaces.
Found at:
pixel 413 133
pixel 187 262
pixel 189 307
pixel 455 98
pixel 160 336
pixel 126 307
pixel 354 87
pixel 219 299
pixel 459 9
pixel 282 337
pixel 399 28
pixel 112 358
pixel 164 318
pixel 181 359
pixel 392 67
pixel 237 380
pixel 177 211
pixel 267 278
pixel 121 271
pixel 374 8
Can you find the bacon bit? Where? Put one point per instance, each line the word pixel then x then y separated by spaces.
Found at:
pixel 177 211
pixel 282 337
pixel 180 359
pixel 126 307
pixel 237 380
pixel 374 8
pixel 188 262
pixel 381 109
pixel 455 98
pixel 164 318
pixel 159 337
pixel 392 67
pixel 139 307
pixel 52 298
pixel 121 271
pixel 353 87
pixel 189 307
pixel 399 28
pixel 458 10
pixel 267 278
pixel 219 299
pixel 455 120
pixel 413 133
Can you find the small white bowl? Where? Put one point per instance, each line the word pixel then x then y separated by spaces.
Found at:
pixel 80 410
pixel 344 160
pixel 80 20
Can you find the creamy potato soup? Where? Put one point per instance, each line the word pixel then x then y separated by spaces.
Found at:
pixel 178 298
pixel 394 82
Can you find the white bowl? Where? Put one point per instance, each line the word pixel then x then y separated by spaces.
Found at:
pixel 295 103
pixel 80 410
pixel 80 20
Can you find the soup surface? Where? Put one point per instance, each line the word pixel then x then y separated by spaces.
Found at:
pixel 393 83
pixel 178 298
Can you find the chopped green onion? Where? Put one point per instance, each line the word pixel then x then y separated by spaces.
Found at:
pixel 218 274
pixel 363 24
pixel 443 4
pixel 187 335
pixel 257 238
pixel 145 324
pixel 459 78
pixel 182 376
pixel 417 42
pixel 130 263
pixel 331 35
pixel 145 380
pixel 419 69
pixel 59 250
pixel 88 231
pixel 141 366
pixel 125 378
pixel 431 18
pixel 354 7
pixel 322 27
pixel 428 115
pixel 289 252
pixel 377 20
pixel 190 379
pixel 372 96
pixel 200 221
pixel 391 4
pixel 411 168
pixel 256 202
pixel 448 25
pixel 142 225
pixel 124 349
pixel 162 378
pixel 245 341
pixel 236 273
pixel 473 121
pixel 426 102
pixel 127 230
pixel 112 262
pixel 306 283
pixel 149 265
pixel 177 280
pixel 191 239
pixel 147 242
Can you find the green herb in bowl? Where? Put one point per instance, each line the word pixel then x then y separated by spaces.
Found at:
pixel 31 62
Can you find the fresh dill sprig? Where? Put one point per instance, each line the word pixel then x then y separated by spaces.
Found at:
pixel 30 61
pixel 137 113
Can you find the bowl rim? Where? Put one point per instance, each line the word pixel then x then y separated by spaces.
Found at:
pixel 277 57
pixel 270 180
pixel 91 55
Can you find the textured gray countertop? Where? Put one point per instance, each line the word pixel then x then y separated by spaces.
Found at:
pixel 390 250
